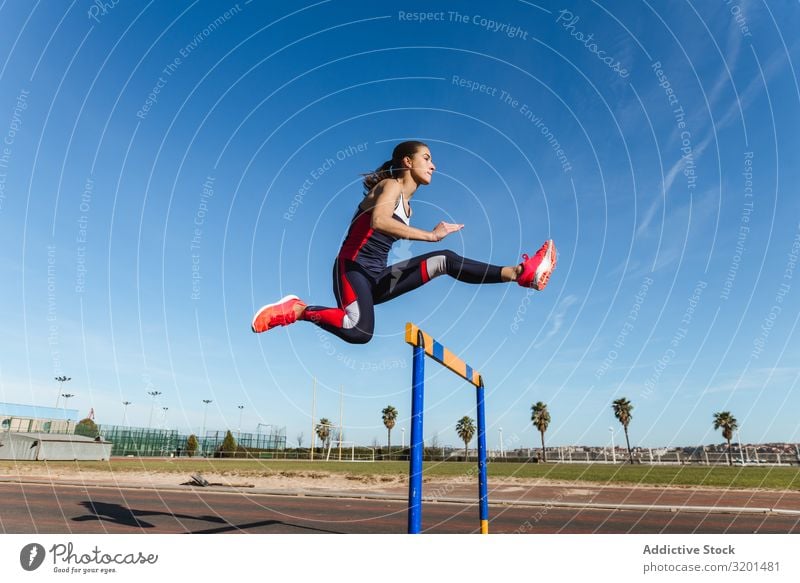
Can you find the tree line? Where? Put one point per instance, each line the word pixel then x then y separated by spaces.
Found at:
pixel 540 418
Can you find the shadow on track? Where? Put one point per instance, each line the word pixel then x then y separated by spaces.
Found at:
pixel 117 514
pixel 123 516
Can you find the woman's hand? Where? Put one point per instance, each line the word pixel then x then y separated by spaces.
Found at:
pixel 443 229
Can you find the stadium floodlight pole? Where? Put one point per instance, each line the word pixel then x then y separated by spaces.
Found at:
pixel 341 420
pixel 402 439
pixel 125 412
pixel 67 397
pixel 153 394
pixel 61 380
pixel 613 449
pixel 165 409
pixel 313 422
pixel 203 435
pixel 502 451
pixel 745 456
pixel 241 412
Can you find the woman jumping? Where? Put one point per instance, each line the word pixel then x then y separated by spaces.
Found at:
pixel 361 277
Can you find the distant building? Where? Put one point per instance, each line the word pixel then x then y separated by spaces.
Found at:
pixel 33 419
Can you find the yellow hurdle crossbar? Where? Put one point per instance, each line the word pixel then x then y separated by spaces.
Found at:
pixel 442 355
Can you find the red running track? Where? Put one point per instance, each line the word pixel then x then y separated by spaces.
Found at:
pixel 61 509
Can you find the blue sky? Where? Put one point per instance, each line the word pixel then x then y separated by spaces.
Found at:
pixel 167 168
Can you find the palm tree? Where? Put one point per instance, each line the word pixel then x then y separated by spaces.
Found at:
pixel 728 423
pixel 466 430
pixel 540 417
pixel 323 430
pixel 389 414
pixel 622 411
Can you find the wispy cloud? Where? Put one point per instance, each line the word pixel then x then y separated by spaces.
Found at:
pixel 756 379
pixel 669 179
pixel 557 318
pixel 701 209
pixel 731 57
pixel 776 62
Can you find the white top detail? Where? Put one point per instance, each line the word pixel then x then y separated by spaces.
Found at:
pixel 400 210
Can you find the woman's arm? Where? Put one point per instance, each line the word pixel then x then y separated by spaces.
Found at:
pixel 387 195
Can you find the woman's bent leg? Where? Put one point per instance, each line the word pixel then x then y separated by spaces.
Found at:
pixel 354 319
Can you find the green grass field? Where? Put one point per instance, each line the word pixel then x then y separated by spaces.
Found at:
pixel 773 478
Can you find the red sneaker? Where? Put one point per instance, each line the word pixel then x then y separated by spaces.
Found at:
pixel 536 270
pixel 280 313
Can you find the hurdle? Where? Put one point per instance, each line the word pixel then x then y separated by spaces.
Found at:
pixel 424 345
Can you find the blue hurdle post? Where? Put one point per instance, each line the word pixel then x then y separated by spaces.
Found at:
pixel 415 470
pixel 424 345
pixel 483 490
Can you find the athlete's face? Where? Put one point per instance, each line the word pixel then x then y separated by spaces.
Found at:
pixel 422 166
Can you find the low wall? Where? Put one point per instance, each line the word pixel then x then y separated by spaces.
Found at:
pixel 43 446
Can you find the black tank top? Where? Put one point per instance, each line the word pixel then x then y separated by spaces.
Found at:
pixel 366 246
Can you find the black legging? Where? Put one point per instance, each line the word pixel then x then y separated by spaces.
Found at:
pixel 358 290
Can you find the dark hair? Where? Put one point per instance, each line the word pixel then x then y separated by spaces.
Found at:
pixel 392 168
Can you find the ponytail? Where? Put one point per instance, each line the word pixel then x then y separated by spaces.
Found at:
pixel 392 168
pixel 384 171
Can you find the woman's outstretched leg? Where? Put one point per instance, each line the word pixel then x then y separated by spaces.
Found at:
pixel 406 276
